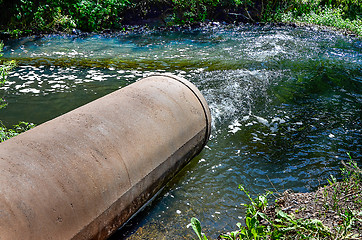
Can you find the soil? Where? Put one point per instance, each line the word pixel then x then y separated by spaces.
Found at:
pixel 327 204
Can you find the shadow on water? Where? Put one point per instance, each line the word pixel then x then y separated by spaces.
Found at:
pixel 286 107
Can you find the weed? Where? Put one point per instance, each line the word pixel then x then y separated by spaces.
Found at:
pixel 7 133
pixel 196 226
pixel 344 197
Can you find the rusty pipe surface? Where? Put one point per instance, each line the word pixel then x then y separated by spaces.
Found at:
pixel 83 174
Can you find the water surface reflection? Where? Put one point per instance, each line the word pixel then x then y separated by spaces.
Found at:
pixel 286 107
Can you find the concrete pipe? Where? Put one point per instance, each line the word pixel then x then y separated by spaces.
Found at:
pixel 83 174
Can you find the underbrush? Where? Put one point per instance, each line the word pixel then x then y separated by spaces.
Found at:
pixel 336 211
pixel 52 16
pixel 21 17
pixel 331 17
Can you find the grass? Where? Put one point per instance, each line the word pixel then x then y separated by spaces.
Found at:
pixel 327 16
pixel 336 210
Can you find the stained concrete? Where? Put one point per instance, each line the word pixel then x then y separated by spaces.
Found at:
pixel 83 174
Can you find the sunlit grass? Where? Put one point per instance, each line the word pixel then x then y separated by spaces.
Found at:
pixel 331 17
pixel 262 222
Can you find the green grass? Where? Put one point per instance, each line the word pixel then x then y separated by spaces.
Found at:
pixel 331 17
pixel 265 222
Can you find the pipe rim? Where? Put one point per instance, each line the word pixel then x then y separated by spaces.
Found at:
pixel 197 94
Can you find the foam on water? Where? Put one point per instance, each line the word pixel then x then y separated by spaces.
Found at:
pixel 285 103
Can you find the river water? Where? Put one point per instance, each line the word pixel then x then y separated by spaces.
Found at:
pixel 286 106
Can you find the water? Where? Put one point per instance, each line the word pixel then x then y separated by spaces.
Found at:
pixel 286 107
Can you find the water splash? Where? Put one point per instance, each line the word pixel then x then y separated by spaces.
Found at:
pixel 286 107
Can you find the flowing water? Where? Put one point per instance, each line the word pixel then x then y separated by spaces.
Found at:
pixel 286 108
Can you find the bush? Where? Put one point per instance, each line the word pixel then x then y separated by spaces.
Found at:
pixel 57 15
pixel 92 15
pixel 6 133
pixel 194 10
pixel 327 16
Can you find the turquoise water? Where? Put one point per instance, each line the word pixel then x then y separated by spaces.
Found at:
pixel 286 106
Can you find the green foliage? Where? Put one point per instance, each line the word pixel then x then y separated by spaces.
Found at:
pixel 194 10
pixel 351 173
pixel 7 133
pixel 57 15
pixel 5 68
pixel 259 204
pixel 340 14
pixel 52 18
pixel 300 228
pixel 351 9
pixel 97 15
pixel 286 226
pixel 332 17
pixel 196 226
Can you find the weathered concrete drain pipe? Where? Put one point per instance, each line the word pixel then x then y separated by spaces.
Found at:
pixel 83 174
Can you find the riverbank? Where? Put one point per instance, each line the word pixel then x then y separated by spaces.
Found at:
pixel 305 142
pixel 19 18
pixel 331 212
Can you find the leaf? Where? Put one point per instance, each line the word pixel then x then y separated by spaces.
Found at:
pixel 226 237
pixel 282 214
pixel 286 217
pixel 263 216
pixel 288 229
pixel 238 225
pixel 247 222
pixel 195 223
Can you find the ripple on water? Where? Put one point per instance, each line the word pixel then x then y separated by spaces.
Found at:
pixel 285 103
